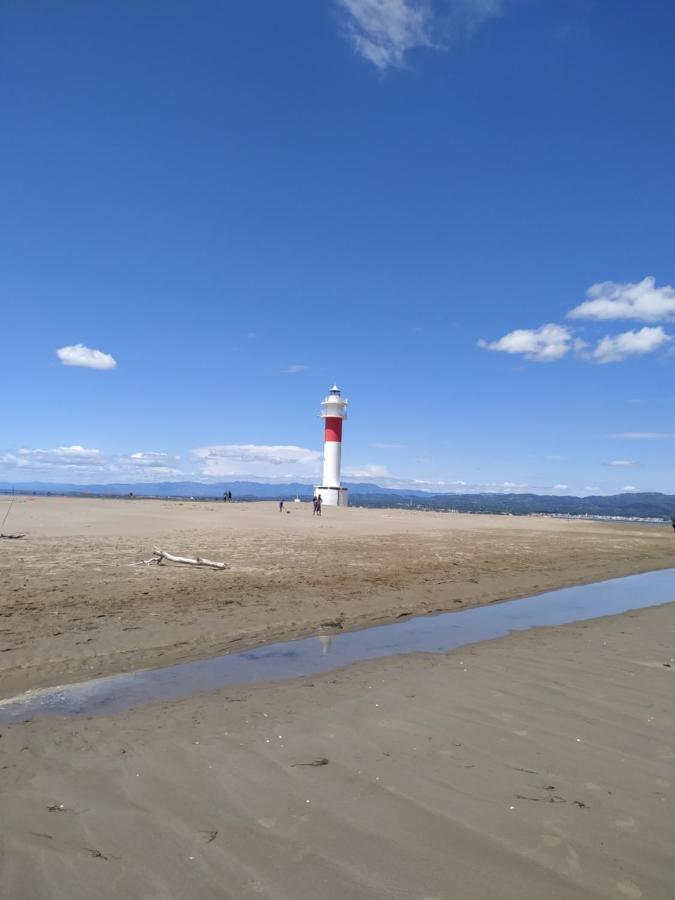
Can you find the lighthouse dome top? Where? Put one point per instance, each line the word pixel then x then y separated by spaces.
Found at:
pixel 334 405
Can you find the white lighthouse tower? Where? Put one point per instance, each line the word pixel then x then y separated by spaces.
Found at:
pixel 333 411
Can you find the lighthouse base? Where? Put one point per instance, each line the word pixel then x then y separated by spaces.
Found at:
pixel 332 496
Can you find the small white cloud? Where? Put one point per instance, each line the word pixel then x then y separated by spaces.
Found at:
pixel 642 435
pixel 367 472
pixel 383 31
pixel 544 344
pixel 79 355
pixel 618 347
pixel 258 459
pixel 561 487
pixel 295 369
pixel 592 488
pixel 628 488
pixel 150 458
pixel 640 300
pixel 622 462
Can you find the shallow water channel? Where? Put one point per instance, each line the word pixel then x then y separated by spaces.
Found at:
pixel 315 655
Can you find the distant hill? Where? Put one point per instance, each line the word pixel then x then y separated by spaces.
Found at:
pixel 645 505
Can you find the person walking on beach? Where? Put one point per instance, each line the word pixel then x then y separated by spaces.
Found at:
pixel 229 496
pixel 281 506
pixel 319 501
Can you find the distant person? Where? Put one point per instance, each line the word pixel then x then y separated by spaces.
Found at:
pixel 281 506
pixel 229 496
pixel 314 505
pixel 319 503
pixel 673 523
pixel 225 497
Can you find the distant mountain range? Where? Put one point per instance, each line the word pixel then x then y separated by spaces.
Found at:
pixel 648 505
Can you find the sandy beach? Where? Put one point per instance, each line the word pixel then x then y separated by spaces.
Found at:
pixel 73 606
pixel 537 765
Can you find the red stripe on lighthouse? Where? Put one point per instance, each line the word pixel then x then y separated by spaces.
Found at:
pixel 333 429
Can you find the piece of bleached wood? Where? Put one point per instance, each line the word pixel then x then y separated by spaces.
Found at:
pixel 187 560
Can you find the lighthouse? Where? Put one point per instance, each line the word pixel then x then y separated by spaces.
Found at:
pixel 333 411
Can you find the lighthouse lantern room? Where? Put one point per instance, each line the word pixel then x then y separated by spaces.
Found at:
pixel 333 412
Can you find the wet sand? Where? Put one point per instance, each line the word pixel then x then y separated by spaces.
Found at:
pixel 72 606
pixel 537 765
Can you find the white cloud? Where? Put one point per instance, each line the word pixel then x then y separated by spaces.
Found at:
pixel 294 369
pixel 642 435
pixel 592 488
pixel 640 300
pixel 77 463
pixel 628 488
pixel 560 487
pixel 384 31
pixel 277 461
pixel 622 462
pixel 544 344
pixel 148 459
pixel 79 355
pixel 367 472
pixel 73 457
pixel 617 347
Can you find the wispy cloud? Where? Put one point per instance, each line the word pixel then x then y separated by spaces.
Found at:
pixel 83 463
pixel 642 435
pixel 79 355
pixel 622 463
pixel 385 31
pixel 367 472
pixel 387 446
pixel 545 344
pixel 295 369
pixel 618 347
pixel 274 460
pixel 628 488
pixel 641 300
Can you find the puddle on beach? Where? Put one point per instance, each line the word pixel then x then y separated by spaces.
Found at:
pixel 315 655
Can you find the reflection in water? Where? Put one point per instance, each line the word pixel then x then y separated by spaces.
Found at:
pixel 309 656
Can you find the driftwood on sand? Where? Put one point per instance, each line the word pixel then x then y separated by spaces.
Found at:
pixel 160 555
pixel 12 537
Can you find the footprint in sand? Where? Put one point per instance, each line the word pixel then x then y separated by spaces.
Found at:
pixel 625 822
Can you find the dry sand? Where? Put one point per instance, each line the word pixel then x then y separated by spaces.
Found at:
pixel 535 766
pixel 72 607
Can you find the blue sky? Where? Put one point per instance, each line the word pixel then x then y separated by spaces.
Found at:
pixel 461 210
